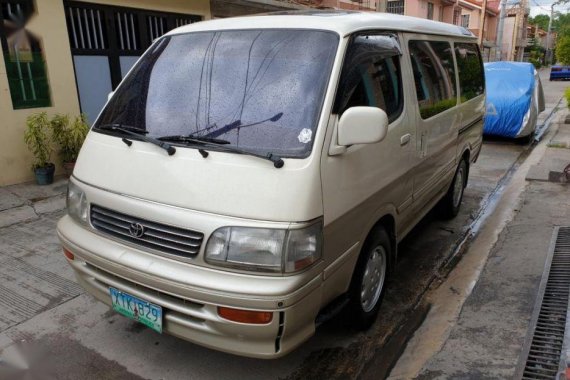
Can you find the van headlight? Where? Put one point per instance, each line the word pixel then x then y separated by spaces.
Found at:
pixel 76 203
pixel 265 249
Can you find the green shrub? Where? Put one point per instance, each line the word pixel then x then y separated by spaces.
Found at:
pixel 69 136
pixel 567 96
pixel 38 139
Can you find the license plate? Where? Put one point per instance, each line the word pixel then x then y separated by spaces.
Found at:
pixel 138 309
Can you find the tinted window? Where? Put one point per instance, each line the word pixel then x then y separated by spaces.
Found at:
pixel 470 66
pixel 261 90
pixel 371 75
pixel 434 76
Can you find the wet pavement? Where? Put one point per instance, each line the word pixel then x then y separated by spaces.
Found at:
pixel 83 339
pixel 479 315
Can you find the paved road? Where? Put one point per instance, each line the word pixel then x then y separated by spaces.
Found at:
pixel 40 304
pixel 480 314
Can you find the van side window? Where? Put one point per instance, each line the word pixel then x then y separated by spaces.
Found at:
pixel 434 76
pixel 470 67
pixel 371 76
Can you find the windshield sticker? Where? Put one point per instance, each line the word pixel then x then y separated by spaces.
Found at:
pixel 305 135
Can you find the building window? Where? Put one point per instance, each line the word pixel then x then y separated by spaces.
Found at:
pixel 456 16
pixel 395 6
pixel 23 56
pixel 86 29
pixel 430 11
pixel 465 21
pixel 434 76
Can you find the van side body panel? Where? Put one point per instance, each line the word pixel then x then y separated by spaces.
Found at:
pixel 358 192
pixel 361 186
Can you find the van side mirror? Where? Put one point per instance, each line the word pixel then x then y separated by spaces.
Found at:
pixel 110 95
pixel 362 125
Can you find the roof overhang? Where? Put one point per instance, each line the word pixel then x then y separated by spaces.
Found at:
pixel 232 8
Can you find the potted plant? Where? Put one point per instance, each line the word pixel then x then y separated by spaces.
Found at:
pixel 69 137
pixel 37 138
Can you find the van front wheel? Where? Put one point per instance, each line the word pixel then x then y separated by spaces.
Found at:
pixel 367 287
pixel 451 203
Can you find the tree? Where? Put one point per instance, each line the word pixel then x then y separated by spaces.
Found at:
pixel 563 49
pixel 540 20
pixel 561 24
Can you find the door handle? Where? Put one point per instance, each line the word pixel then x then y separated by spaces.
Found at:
pixel 405 139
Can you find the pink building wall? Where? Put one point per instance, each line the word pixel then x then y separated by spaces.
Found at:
pixel 419 8
pixel 444 11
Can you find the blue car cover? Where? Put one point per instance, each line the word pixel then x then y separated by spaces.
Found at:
pixel 509 88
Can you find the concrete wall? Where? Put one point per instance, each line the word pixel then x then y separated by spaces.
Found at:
pixel 50 26
pixel 448 14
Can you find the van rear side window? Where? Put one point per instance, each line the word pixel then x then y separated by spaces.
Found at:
pixel 434 76
pixel 470 66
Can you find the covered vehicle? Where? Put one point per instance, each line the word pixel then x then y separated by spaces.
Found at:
pixel 514 99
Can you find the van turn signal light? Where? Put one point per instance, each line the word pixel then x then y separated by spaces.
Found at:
pixel 245 316
pixel 68 254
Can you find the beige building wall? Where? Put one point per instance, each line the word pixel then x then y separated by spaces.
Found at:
pixel 50 26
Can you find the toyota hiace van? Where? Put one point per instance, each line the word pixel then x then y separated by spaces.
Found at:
pixel 250 173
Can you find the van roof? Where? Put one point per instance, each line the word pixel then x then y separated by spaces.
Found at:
pixel 342 22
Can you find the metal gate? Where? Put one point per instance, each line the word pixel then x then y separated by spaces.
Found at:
pixel 105 43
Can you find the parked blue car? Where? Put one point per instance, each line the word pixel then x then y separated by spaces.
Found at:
pixel 559 72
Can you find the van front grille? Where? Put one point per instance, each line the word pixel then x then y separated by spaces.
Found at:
pixel 160 237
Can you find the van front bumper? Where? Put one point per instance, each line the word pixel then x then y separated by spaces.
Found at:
pixel 190 311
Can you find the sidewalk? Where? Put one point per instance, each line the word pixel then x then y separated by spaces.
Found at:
pixel 26 202
pixel 487 339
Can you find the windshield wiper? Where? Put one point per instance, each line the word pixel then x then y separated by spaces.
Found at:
pixel 221 145
pixel 139 133
pixel 193 139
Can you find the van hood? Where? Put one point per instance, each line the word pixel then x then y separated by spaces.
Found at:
pixel 223 183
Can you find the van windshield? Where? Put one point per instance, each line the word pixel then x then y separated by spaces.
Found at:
pixel 260 90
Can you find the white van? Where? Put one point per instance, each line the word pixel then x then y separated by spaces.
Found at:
pixel 250 173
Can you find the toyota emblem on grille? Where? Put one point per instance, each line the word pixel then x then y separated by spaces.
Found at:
pixel 136 229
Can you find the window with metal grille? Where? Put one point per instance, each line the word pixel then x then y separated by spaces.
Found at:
pixel 396 7
pixel 465 21
pixel 430 11
pixel 86 28
pixel 456 16
pixel 156 26
pixel 127 27
pixel 23 56
pixel 183 21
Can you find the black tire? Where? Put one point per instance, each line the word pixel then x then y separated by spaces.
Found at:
pixel 526 139
pixel 363 313
pixel 451 203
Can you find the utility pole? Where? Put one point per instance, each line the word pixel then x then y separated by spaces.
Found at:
pixel 522 14
pixel 482 26
pixel 549 35
pixel 500 29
